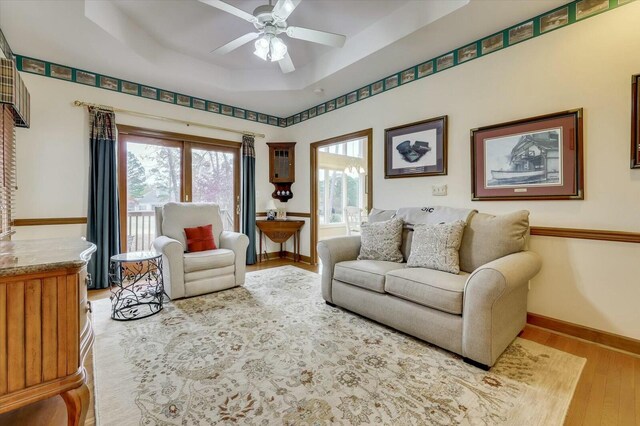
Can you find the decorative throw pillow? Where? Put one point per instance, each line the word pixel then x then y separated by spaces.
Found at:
pixel 381 241
pixel 488 237
pixel 200 238
pixel 436 247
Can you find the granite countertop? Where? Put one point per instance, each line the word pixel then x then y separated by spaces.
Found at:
pixel 32 256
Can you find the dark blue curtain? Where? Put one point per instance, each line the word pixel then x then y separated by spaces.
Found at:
pixel 249 196
pixel 103 227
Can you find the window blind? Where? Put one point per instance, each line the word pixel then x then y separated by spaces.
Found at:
pixel 7 171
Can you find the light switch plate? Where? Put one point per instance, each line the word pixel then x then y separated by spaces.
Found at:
pixel 439 190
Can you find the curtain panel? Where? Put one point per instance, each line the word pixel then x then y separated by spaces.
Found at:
pixel 249 196
pixel 103 227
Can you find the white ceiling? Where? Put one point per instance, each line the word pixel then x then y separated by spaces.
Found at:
pixel 166 43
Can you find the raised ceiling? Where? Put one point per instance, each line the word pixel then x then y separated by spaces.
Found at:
pixel 167 43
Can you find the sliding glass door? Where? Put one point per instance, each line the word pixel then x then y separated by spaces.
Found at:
pixel 159 170
pixel 213 179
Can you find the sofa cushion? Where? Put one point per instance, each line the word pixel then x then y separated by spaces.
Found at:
pixel 436 246
pixel 428 287
pixel 488 237
pixel 210 259
pixel 377 215
pixel 367 274
pixel 432 215
pixel 381 241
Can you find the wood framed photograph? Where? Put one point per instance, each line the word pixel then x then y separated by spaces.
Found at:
pixel 416 149
pixel 635 122
pixel 537 158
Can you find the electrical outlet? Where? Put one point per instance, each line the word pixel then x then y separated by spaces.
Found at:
pixel 439 190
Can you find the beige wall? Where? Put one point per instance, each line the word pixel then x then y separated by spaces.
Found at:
pixel 53 155
pixel 585 65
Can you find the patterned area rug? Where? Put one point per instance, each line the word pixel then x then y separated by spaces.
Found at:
pixel 272 352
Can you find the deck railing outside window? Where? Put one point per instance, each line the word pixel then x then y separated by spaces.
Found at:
pixel 141 228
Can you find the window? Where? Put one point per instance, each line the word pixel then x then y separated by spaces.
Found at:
pixel 159 170
pixel 341 180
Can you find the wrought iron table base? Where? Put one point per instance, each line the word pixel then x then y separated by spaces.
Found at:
pixel 137 289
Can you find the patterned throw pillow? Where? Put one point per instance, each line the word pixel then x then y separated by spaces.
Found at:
pixel 436 247
pixel 381 241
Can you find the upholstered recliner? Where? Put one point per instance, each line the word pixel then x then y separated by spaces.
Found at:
pixel 191 274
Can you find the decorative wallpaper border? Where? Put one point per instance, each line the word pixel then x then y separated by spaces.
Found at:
pixel 554 19
pixel 89 78
pixel 542 24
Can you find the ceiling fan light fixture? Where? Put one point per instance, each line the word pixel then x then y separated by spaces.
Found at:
pixel 270 48
pixel 262 48
pixel 278 49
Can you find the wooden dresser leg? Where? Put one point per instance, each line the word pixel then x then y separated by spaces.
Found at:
pixel 77 402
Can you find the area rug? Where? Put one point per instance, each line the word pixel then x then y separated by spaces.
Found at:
pixel 272 352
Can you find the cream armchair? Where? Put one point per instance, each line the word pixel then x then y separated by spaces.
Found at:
pixel 192 274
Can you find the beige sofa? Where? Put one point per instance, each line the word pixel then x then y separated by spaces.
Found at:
pixel 476 313
pixel 193 274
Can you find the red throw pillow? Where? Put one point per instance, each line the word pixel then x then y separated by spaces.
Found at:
pixel 200 238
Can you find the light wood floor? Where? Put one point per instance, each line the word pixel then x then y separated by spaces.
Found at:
pixel 608 392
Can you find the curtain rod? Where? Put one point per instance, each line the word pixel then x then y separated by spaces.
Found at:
pixel 173 120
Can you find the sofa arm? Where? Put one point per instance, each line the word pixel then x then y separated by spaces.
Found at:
pixel 237 243
pixel 332 251
pixel 172 265
pixel 495 305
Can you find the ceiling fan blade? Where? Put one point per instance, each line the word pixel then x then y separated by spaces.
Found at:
pixel 322 37
pixel 234 44
pixel 219 4
pixel 283 8
pixel 286 64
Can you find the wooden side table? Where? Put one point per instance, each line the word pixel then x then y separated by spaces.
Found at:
pixel 279 231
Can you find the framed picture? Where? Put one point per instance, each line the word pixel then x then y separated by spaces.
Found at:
pixel 537 158
pixel 416 149
pixel 635 122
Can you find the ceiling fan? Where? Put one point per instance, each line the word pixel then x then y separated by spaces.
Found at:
pixel 271 21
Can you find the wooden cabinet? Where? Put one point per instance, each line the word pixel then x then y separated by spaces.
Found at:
pixel 282 169
pixel 45 334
